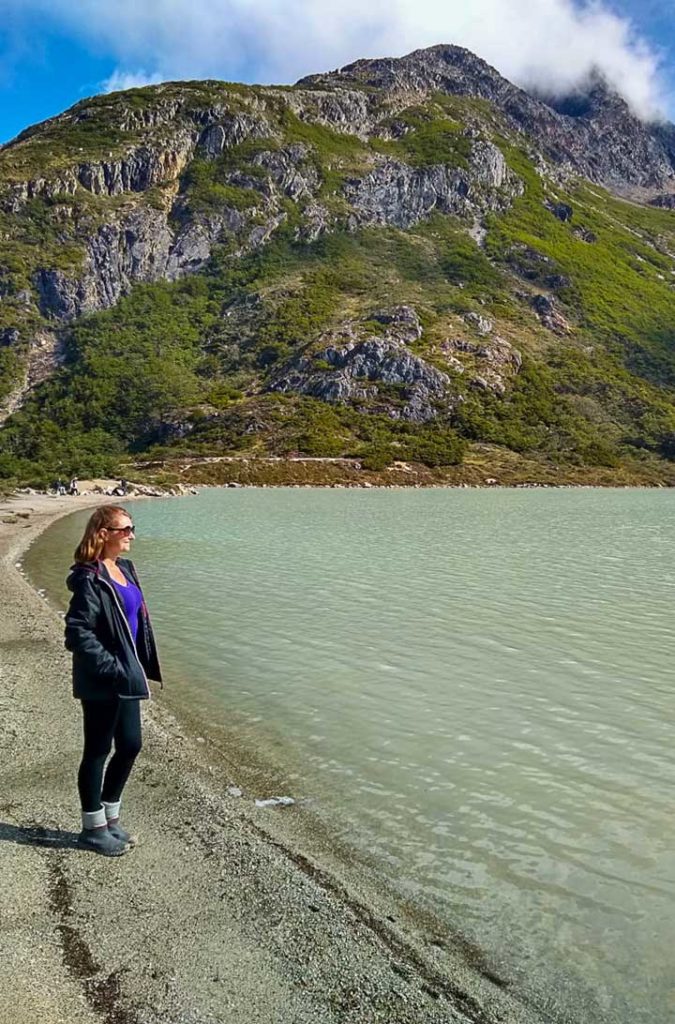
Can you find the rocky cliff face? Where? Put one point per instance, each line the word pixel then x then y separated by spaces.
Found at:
pixel 360 366
pixel 432 152
pixel 146 242
pixel 369 364
pixel 131 214
pixel 593 133
pixel 394 193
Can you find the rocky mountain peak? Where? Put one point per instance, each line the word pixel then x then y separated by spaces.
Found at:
pixel 593 99
pixel 444 68
pixel 591 131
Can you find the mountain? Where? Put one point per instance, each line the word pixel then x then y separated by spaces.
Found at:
pixel 591 132
pixel 406 261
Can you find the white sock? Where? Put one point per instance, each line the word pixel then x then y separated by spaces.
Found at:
pixel 112 811
pixel 94 819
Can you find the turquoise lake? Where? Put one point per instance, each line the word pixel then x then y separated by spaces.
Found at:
pixel 472 688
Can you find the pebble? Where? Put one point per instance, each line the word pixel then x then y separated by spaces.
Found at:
pixel 275 801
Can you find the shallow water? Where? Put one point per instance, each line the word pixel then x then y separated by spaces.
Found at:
pixel 474 688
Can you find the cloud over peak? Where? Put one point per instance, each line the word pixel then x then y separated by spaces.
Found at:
pixel 550 45
pixel 121 80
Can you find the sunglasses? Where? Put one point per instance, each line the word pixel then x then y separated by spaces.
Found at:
pixel 126 530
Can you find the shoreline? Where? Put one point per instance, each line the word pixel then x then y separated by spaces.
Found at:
pixel 484 465
pixel 217 913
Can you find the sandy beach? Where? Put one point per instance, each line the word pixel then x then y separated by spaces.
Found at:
pixel 219 914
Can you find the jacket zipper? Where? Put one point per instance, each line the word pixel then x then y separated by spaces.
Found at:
pixel 128 627
pixel 146 614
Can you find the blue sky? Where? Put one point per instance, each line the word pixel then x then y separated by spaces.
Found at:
pixel 54 54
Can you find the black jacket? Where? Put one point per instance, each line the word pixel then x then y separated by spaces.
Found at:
pixel 106 663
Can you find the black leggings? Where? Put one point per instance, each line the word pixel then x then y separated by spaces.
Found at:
pixel 105 720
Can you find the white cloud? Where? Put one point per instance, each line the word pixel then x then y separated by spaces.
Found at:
pixel 120 80
pixel 549 43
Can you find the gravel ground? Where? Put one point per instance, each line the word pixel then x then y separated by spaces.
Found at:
pixel 219 914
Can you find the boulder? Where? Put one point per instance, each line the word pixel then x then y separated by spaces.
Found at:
pixel 562 211
pixel 547 310
pixel 401 321
pixel 482 324
pixel 584 234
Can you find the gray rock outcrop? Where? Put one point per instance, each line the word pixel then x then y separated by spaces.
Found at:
pixel 138 170
pixel 352 369
pixel 231 130
pixel 563 211
pixel 289 169
pixel 549 313
pixel 45 355
pixel 665 202
pixel 351 111
pixel 396 194
pixel 483 324
pixel 492 363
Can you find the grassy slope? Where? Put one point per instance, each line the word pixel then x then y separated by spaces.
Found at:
pixel 601 397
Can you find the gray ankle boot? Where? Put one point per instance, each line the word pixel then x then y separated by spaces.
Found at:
pixel 101 840
pixel 96 836
pixel 116 830
pixel 112 814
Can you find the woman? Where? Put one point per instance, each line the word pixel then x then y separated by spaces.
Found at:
pixel 109 633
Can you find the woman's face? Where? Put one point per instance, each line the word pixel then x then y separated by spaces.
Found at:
pixel 117 538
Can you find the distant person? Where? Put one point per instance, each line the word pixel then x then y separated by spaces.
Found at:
pixel 121 489
pixel 109 633
pixel 72 487
pixel 60 487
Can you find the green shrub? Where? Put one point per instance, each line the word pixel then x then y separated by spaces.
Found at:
pixel 320 444
pixel 431 140
pixel 207 189
pixel 376 457
pixel 435 446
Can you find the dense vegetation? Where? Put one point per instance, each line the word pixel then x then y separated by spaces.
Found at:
pixel 182 368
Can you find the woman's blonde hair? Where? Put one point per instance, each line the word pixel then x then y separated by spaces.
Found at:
pixel 91 546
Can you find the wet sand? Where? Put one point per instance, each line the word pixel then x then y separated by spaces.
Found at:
pixel 220 913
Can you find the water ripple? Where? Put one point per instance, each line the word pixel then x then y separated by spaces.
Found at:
pixel 477 687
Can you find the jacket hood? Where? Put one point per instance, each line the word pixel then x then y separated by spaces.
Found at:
pixel 79 570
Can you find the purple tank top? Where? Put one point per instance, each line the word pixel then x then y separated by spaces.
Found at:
pixel 132 599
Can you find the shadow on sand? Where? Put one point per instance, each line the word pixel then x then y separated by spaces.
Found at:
pixel 37 835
